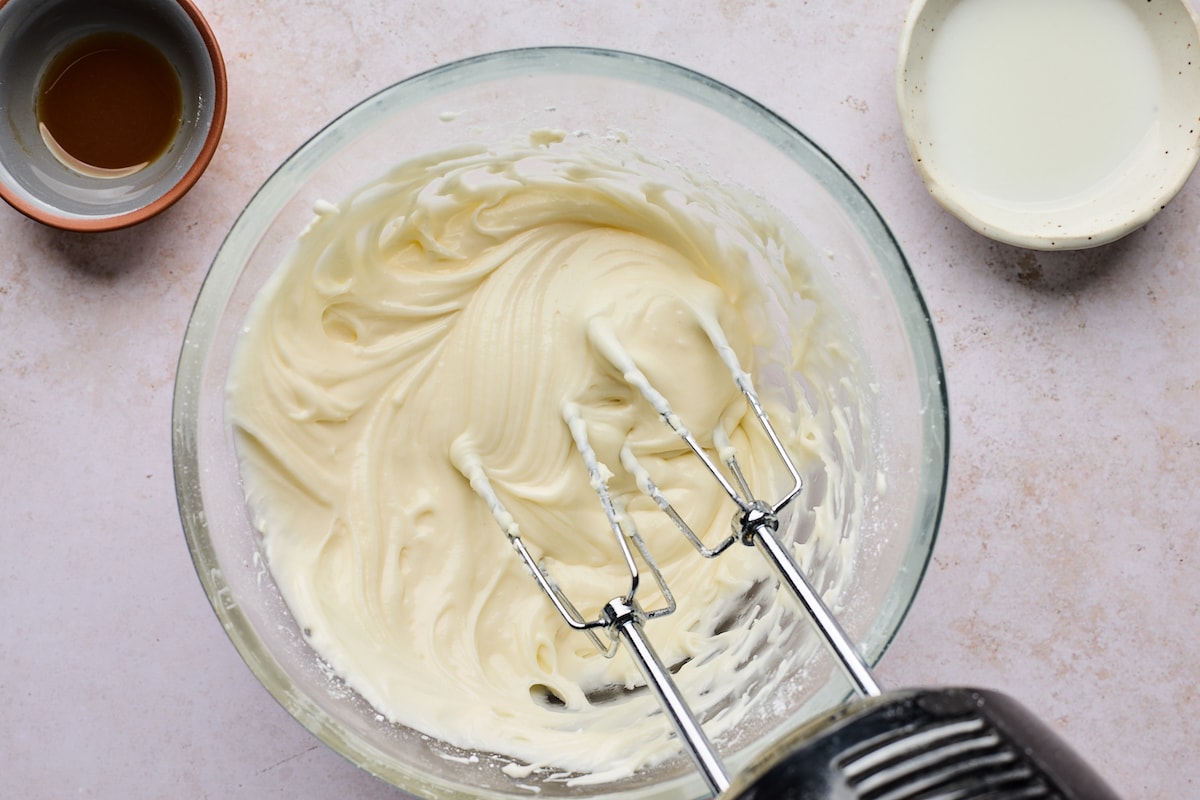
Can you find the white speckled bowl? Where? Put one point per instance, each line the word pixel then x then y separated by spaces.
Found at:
pixel 1146 181
pixel 666 113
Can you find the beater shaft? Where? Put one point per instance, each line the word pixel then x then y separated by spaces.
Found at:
pixel 761 533
pixel 627 623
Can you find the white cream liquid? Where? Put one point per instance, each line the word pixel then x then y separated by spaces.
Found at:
pixel 1034 101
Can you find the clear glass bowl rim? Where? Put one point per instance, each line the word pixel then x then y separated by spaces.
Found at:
pixel 306 159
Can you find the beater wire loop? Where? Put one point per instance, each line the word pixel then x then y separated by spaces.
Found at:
pixel 734 484
pixel 621 618
pixel 756 522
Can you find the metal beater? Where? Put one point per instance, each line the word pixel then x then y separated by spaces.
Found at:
pixel 949 744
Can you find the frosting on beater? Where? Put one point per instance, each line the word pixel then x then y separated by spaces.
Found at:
pixel 445 319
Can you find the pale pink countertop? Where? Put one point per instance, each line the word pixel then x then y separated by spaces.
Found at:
pixel 1065 572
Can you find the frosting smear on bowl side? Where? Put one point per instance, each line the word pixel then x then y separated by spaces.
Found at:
pixel 451 307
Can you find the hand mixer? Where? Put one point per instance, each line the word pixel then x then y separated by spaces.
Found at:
pixel 949 744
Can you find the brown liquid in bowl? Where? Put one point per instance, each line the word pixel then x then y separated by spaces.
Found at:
pixel 111 102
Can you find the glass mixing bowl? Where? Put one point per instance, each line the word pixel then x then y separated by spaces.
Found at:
pixel 681 118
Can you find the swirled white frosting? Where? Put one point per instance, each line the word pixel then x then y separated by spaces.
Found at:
pixel 449 312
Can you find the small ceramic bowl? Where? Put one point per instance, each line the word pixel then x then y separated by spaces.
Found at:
pixel 1051 125
pixel 39 183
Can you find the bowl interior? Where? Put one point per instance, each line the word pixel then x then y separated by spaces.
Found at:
pixel 678 117
pixel 32 179
pixel 1157 164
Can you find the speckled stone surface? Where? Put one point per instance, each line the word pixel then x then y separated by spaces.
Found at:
pixel 1065 572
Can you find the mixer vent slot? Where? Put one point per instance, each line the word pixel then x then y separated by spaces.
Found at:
pixel 957 760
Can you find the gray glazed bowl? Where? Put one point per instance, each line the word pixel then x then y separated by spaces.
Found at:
pixel 33 180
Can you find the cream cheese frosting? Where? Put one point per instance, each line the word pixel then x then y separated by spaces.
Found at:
pixel 448 317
